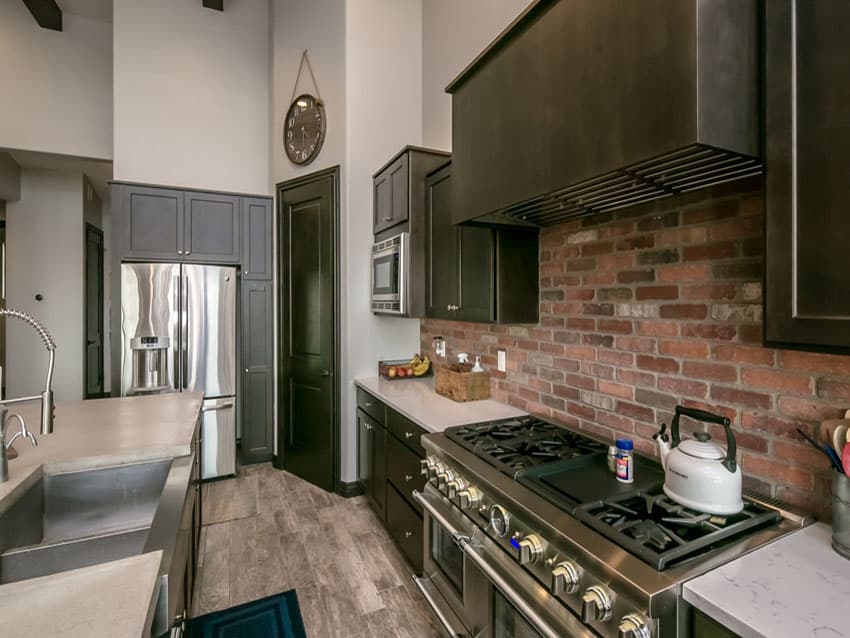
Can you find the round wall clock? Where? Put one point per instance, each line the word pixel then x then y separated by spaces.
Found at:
pixel 304 129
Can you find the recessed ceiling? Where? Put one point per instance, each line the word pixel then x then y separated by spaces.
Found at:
pixel 99 172
pixel 100 10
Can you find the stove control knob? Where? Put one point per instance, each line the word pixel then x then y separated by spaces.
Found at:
pixel 443 480
pixel 565 578
pixel 527 549
pixel 425 465
pixel 499 520
pixel 435 470
pixel 633 626
pixel 453 487
pixel 596 604
pixel 469 498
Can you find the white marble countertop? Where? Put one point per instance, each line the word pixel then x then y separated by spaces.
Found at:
pixel 113 599
pixel 796 587
pixel 416 399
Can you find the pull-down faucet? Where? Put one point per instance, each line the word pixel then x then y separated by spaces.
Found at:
pixel 45 398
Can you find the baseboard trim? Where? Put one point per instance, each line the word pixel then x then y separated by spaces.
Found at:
pixel 349 490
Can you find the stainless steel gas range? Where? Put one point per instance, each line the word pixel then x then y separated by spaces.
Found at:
pixel 527 533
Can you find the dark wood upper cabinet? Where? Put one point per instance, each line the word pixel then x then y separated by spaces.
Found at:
pixel 807 292
pixel 152 220
pixel 211 228
pixel 476 273
pixel 256 238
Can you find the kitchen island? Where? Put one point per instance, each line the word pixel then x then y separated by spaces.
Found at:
pixel 115 598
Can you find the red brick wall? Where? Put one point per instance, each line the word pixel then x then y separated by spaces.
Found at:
pixel 662 304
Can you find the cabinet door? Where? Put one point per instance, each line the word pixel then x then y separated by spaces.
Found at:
pixel 391 195
pixel 807 68
pixel 257 372
pixel 439 246
pixel 475 265
pixel 152 223
pixel 405 527
pixel 378 491
pixel 365 442
pixel 256 238
pixel 211 228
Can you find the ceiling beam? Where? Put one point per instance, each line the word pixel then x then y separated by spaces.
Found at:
pixel 46 12
pixel 218 5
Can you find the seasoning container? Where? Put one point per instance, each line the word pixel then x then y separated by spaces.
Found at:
pixel 625 460
pixel 612 458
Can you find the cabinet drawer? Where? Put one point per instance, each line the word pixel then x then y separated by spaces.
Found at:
pixel 371 406
pixel 407 431
pixel 405 526
pixel 403 470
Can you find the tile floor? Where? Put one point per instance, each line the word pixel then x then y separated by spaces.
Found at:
pixel 267 531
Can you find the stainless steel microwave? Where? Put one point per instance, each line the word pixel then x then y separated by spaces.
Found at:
pixel 390 259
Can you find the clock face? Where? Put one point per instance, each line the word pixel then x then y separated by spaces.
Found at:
pixel 304 129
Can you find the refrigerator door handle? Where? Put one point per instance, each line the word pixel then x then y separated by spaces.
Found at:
pixel 184 318
pixel 175 347
pixel 218 406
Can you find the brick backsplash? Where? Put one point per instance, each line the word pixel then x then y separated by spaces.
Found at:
pixel 660 304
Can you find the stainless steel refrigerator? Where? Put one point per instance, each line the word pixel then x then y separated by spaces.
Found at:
pixel 185 315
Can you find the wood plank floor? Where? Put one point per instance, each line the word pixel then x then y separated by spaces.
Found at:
pixel 267 531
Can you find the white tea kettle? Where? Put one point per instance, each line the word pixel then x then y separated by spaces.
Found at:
pixel 698 473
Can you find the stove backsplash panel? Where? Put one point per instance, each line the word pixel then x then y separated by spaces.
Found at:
pixel 659 303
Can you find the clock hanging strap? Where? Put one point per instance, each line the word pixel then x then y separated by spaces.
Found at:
pixel 305 57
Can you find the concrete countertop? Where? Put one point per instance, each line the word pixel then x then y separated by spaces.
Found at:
pixel 416 399
pixel 115 598
pixel 797 586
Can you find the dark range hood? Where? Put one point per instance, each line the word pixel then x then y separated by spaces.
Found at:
pixel 585 106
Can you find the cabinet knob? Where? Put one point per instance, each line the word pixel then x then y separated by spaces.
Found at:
pixel 179 252
pixel 388 218
pixel 407 478
pixel 246 369
pixel 188 251
pixel 409 435
pixel 368 426
pixel 246 272
pixel 408 534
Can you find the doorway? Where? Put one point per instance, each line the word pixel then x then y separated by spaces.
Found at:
pixel 94 363
pixel 308 242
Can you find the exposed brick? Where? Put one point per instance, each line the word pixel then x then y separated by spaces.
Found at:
pixel 615 421
pixel 655 222
pixel 799 453
pixel 583 236
pixel 682 236
pixel 614 294
pixel 772 425
pixel 637 310
pixel 581 323
pixel 657 364
pixel 567 392
pixel 605 309
pixel 683 272
pixel 584 263
pixel 714 211
pixel 657 292
pixel 686 349
pixel 617 262
pixel 808 410
pixel 833 388
pixel 579 294
pixel 579 410
pixel 684 311
pixel 823 363
pixel 737 270
pixel 636 344
pixel 750 333
pixel 598 340
pixel 552 402
pixel 586 353
pixel 776 381
pixel 636 378
pixel 750 291
pixel 657 328
pixel 633 276
pixel 736 312
pixel 639 412
pixel 711 371
pixel 778 469
pixel 683 386
pixel 666 256
pixel 716 250
pixel 597 370
pixel 710 291
pixel 736 228
pixel 709 331
pixel 618 326
pixel 616 357
pixel 723 410
pixel 744 354
pixel 753 247
pixel 518 331
pixel 540 359
pixel 598 400
pixel 741 397
pixel 655 399
pixel 597 248
pixel 634 243
pixel 616 389
pixel 616 230
pixel 598 278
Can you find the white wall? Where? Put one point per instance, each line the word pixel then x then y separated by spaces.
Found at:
pixel 383 79
pixel 57 86
pixel 192 94
pixel 44 243
pixel 453 33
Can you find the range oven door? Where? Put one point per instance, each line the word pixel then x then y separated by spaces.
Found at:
pixel 471 581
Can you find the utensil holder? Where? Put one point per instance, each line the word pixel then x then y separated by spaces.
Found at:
pixel 841 514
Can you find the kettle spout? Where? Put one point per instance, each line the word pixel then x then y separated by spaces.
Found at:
pixel 662 441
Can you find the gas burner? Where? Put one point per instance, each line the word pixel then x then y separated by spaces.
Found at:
pixel 662 532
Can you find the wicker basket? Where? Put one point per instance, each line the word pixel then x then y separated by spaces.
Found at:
pixel 462 386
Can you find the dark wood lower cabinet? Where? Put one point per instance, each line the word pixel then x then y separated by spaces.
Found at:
pixel 405 527
pixel 378 489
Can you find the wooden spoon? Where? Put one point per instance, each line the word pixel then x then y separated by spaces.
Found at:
pixel 826 432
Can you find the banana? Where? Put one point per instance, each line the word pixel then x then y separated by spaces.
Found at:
pixel 415 361
pixel 422 367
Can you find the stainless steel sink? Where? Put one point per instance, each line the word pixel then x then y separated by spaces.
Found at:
pixel 76 519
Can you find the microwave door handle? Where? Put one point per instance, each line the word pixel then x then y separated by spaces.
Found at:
pixel 509 591
pixel 438 516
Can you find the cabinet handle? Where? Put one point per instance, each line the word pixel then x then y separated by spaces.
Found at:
pixel 409 435
pixel 407 478
pixel 368 404
pixel 408 534
pixel 388 218
pixel 368 426
pixel 449 307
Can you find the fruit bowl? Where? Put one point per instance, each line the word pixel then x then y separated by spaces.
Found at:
pixel 401 369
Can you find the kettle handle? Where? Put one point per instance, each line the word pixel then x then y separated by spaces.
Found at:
pixel 707 417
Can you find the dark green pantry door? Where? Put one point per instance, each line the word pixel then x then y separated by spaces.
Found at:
pixel 308 318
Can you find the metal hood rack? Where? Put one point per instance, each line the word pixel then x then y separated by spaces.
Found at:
pixel 586 106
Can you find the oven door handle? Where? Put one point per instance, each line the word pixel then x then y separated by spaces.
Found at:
pixel 439 517
pixel 508 590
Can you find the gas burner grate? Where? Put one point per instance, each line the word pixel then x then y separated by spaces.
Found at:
pixel 662 532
